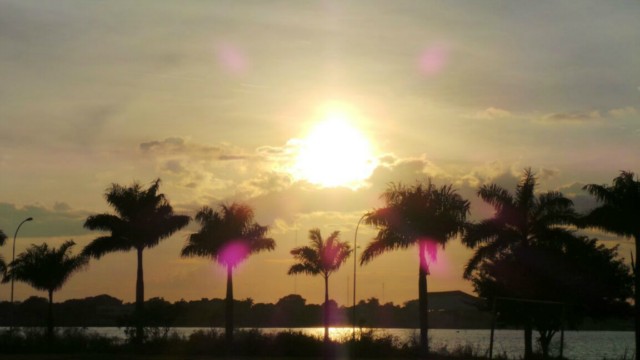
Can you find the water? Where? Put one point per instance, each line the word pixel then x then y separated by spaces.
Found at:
pixel 587 345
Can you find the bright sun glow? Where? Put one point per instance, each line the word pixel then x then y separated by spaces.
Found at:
pixel 334 153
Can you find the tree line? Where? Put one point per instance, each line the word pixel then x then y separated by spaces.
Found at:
pixel 290 311
pixel 529 249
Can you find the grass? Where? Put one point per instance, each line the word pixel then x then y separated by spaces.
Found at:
pixel 162 343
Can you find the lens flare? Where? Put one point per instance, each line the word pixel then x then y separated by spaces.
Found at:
pixel 234 253
pixel 433 59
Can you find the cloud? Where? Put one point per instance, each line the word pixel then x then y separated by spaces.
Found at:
pixel 573 117
pixel 491 113
pixel 176 146
pixel 582 200
pixel 589 116
pixel 61 220
pixel 623 112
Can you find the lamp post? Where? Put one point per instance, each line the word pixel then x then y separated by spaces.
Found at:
pixel 13 255
pixel 355 260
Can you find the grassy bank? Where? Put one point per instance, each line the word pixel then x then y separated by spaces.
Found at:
pixel 77 343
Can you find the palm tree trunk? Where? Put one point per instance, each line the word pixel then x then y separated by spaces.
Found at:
pixel 423 302
pixel 228 324
pixel 636 296
pixel 139 309
pixel 326 309
pixel 50 317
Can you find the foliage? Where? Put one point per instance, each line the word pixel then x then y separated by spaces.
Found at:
pixel 229 236
pixel 521 220
pixel 421 215
pixel 45 268
pixel 618 213
pixel 322 257
pixel 220 229
pixel 143 218
pixel 3 264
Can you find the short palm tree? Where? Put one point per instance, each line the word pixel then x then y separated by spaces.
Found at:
pixel 143 218
pixel 521 219
pixel 228 236
pixel 619 213
pixel 46 269
pixel 323 257
pixel 422 215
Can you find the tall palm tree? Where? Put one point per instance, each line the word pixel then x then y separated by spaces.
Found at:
pixel 520 220
pixel 228 236
pixel 46 269
pixel 143 218
pixel 421 215
pixel 323 257
pixel 619 213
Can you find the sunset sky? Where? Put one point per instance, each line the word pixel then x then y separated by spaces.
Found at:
pixel 305 110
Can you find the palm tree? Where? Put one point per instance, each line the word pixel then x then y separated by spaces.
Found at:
pixel 323 257
pixel 520 220
pixel 143 218
pixel 46 269
pixel 421 215
pixel 229 237
pixel 620 214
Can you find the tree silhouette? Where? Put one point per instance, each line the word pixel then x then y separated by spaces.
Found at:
pixel 520 220
pixel 322 257
pixel 46 269
pixel 421 215
pixel 143 218
pixel 619 213
pixel 229 236
pixel 3 264
pixel 586 277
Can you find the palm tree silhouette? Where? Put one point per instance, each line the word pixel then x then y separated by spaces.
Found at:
pixel 46 269
pixel 143 218
pixel 620 214
pixel 520 220
pixel 323 257
pixel 229 237
pixel 423 215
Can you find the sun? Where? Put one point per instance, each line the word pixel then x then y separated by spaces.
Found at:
pixel 334 153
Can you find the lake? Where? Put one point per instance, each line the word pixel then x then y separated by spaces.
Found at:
pixel 587 345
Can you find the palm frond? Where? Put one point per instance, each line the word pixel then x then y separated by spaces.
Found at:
pixel 3 237
pixel 496 196
pixel 231 223
pixel 106 244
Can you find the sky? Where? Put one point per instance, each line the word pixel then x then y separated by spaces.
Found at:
pixel 306 111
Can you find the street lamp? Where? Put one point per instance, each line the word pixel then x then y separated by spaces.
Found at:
pixel 355 260
pixel 13 256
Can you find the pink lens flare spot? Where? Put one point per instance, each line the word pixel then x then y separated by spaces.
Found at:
pixel 436 261
pixel 234 253
pixel 231 58
pixel 433 59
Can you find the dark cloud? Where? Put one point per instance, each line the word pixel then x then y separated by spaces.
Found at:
pixel 176 146
pixel 573 117
pixel 61 220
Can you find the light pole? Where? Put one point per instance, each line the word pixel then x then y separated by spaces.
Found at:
pixel 355 260
pixel 13 255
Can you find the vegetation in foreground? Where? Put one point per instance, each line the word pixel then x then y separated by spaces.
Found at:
pixel 212 343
